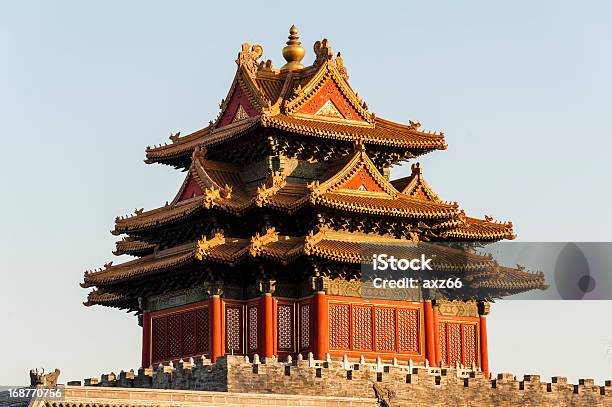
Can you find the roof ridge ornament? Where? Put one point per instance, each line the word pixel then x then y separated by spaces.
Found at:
pixel 260 240
pixel 205 244
pixel 414 125
pixel 293 52
pixel 323 52
pixel 199 153
pixel 247 58
pixel 277 180
pixel 342 70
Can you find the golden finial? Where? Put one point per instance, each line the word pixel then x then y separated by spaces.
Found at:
pixel 293 52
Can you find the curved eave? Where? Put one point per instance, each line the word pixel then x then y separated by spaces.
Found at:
pixel 183 148
pixel 515 280
pixel 481 230
pixel 165 260
pixel 402 206
pixel 399 207
pixel 111 299
pixel 378 135
pixel 384 133
pixel 158 217
pixel 133 248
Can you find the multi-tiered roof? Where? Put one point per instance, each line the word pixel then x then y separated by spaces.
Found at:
pixel 287 182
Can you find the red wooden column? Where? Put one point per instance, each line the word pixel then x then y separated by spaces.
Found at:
pixel 146 340
pixel 430 351
pixel 267 306
pixel 321 308
pixel 483 311
pixel 216 334
pixel 436 334
pixel 484 347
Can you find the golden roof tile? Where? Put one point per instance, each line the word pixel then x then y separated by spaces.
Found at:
pixel 135 247
pixel 481 229
pixel 162 261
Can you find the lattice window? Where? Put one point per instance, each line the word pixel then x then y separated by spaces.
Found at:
pixel 253 329
pixel 443 343
pixel 454 343
pixel 408 326
pixel 180 335
pixel 159 338
pixel 304 326
pixel 470 345
pixel 232 330
pixel 174 336
pixel 202 329
pixel 285 327
pixel 339 326
pixel 385 329
pixel 189 333
pixel 362 328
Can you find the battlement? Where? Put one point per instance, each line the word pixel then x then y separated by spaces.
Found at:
pixel 393 383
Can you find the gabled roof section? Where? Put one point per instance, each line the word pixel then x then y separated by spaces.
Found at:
pixel 359 187
pixel 416 186
pixel 243 100
pixel 214 179
pixel 198 180
pixel 359 174
pixel 461 227
pixel 328 95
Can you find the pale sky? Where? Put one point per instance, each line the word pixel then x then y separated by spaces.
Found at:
pixel 522 91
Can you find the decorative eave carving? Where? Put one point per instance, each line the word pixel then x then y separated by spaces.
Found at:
pixel 360 160
pixel 278 181
pixel 247 58
pixel 419 185
pixel 205 245
pixel 312 239
pixel 259 241
pixel 266 286
pixel 457 308
pixel 484 308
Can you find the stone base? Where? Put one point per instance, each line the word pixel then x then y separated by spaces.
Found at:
pixel 117 397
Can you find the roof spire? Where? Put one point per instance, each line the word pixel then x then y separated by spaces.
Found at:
pixel 293 52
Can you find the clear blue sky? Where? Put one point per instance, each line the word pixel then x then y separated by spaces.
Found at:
pixel 522 90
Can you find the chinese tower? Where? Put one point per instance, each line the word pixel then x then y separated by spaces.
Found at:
pixel 259 251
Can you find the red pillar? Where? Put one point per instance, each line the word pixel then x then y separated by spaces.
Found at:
pixel 267 307
pixel 322 325
pixel 436 335
pixel 484 347
pixel 430 351
pixel 216 333
pixel 146 340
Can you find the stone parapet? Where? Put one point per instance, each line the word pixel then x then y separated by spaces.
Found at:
pixel 394 383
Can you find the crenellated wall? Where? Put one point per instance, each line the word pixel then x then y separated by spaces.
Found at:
pixel 395 383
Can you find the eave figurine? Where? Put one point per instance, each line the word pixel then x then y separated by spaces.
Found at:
pixel 42 379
